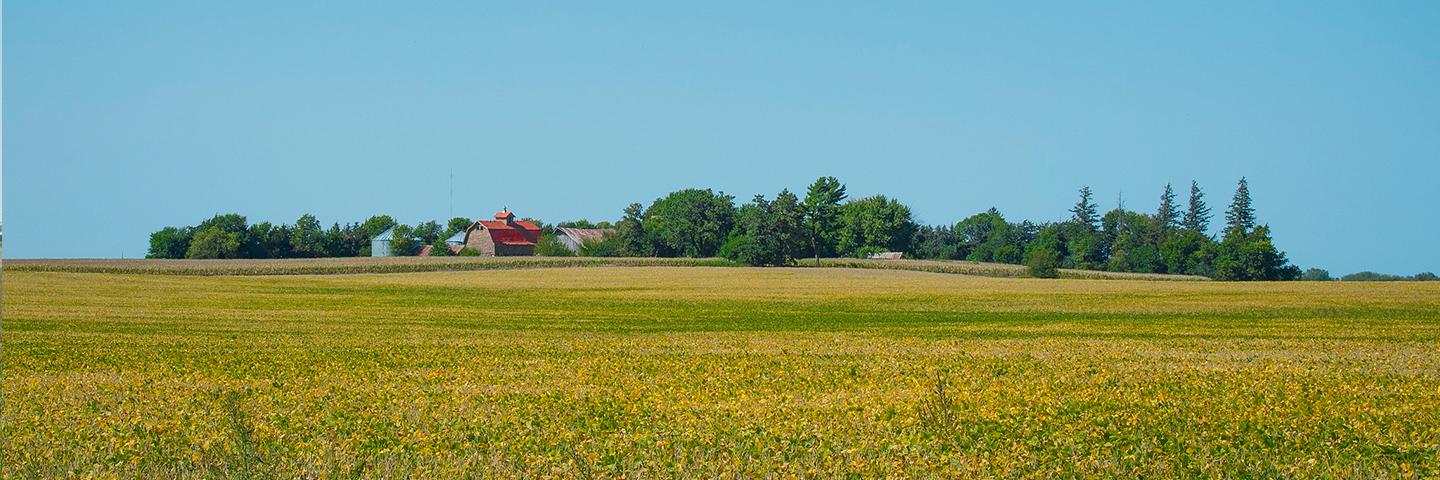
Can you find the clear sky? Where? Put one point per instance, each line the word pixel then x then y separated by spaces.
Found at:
pixel 124 117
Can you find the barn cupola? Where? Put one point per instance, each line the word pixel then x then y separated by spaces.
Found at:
pixel 506 216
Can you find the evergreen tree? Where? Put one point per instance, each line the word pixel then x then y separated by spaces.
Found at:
pixel 1167 216
pixel 1241 216
pixel 821 210
pixel 1086 213
pixel 1197 217
pixel 787 216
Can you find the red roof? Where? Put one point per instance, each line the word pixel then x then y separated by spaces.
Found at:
pixel 504 215
pixel 511 233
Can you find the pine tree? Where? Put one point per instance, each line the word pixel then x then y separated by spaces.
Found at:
pixel 1241 216
pixel 1168 216
pixel 821 211
pixel 788 217
pixel 1197 217
pixel 1086 213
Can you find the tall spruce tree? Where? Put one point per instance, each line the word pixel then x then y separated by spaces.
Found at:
pixel 1167 216
pixel 820 214
pixel 1241 216
pixel 788 218
pixel 1197 217
pixel 1085 211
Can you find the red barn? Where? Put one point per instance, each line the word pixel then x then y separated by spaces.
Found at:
pixel 502 236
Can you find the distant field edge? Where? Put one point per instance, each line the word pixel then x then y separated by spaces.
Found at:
pixel 981 269
pixel 340 266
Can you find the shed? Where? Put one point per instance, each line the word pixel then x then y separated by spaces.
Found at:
pixel 573 238
pixel 456 242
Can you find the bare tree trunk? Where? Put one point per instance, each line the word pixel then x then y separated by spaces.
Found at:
pixel 815 248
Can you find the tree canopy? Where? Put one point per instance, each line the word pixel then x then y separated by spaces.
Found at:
pixel 690 223
pixel 699 222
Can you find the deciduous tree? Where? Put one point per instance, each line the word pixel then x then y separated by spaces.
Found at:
pixel 307 240
pixel 457 225
pixel 169 242
pixel 214 242
pixel 630 233
pixel 875 223
pixel 691 222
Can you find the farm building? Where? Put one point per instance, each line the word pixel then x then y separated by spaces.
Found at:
pixel 573 238
pixel 503 236
pixel 380 245
pixel 456 242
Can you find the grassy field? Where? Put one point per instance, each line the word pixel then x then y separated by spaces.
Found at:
pixel 706 372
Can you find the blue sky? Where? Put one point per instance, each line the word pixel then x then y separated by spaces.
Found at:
pixel 124 117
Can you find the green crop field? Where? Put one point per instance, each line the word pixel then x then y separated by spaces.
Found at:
pixel 666 371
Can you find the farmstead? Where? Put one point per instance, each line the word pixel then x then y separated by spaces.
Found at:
pixel 503 236
pixel 1059 257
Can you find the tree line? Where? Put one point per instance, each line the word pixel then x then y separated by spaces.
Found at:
pixel 1368 276
pixel 826 222
pixel 783 230
pixel 230 236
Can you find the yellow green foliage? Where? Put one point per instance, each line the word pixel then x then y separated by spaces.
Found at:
pixel 715 372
